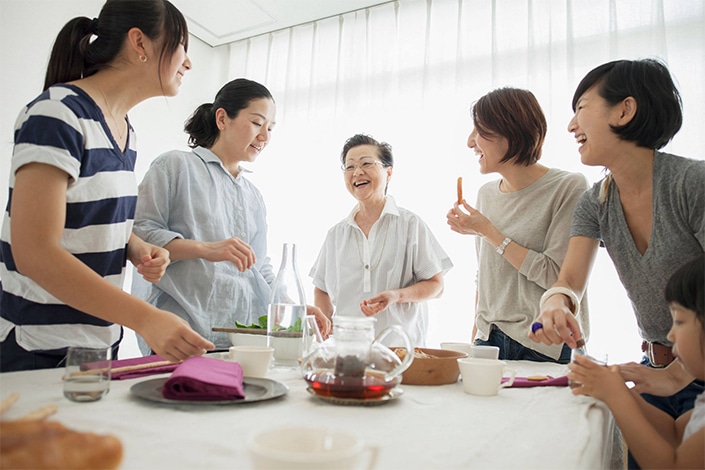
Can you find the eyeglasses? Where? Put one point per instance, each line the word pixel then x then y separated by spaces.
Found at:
pixel 365 165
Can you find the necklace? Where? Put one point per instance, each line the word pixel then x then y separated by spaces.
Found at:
pixel 107 106
pixel 366 266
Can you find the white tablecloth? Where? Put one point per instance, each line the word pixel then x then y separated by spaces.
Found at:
pixel 427 427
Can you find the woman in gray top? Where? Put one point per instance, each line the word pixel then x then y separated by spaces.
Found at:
pixel 521 221
pixel 649 212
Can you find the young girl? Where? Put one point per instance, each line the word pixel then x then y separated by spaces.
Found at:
pixel 67 231
pixel 654 438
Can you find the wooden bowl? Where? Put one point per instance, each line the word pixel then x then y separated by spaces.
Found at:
pixel 440 369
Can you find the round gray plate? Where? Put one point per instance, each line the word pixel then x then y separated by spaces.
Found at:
pixel 256 389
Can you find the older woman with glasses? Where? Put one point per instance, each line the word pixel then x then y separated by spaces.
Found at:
pixel 521 223
pixel 381 260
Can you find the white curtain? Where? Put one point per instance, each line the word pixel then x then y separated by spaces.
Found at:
pixel 407 72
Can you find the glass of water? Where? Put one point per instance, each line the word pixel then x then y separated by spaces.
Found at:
pixel 600 358
pixel 87 376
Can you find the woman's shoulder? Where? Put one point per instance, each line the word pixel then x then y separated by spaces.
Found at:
pixel 568 178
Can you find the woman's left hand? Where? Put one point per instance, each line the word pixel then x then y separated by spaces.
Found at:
pixel 379 302
pixel 468 222
pixel 150 260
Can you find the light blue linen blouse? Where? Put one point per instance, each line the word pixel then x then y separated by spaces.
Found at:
pixel 191 195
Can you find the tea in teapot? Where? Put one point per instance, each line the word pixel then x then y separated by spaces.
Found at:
pixel 353 363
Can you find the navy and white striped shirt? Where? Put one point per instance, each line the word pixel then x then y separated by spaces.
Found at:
pixel 65 128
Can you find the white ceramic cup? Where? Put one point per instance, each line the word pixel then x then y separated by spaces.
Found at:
pixel 484 376
pixel 309 448
pixel 460 347
pixel 254 360
pixel 486 352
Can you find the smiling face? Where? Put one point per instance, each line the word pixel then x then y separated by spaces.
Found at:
pixel 491 151
pixel 368 177
pixel 591 127
pixel 688 340
pixel 242 138
pixel 172 71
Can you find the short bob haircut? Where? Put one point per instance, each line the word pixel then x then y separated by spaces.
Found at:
pixel 516 115
pixel 687 287
pixel 659 113
pixel 383 149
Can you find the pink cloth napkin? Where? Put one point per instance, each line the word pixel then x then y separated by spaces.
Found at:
pixel 135 361
pixel 550 381
pixel 205 379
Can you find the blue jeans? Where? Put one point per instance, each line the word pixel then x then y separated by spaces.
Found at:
pixel 513 351
pixel 14 357
pixel 675 405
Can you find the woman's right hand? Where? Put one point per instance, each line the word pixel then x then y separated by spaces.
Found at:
pixel 233 250
pixel 171 337
pixel 559 324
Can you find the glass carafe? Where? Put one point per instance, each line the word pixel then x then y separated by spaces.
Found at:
pixel 353 363
pixel 287 308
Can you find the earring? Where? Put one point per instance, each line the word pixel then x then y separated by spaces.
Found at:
pixel 143 58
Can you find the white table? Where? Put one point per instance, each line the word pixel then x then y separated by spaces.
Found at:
pixel 427 427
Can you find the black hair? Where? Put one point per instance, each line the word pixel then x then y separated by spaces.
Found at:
pixel 659 113
pixel 383 149
pixel 687 287
pixel 232 97
pixel 516 115
pixel 75 56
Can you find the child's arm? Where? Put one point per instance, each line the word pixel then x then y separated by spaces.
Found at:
pixel 38 213
pixel 653 436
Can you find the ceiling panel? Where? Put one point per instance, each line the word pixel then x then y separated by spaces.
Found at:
pixel 218 22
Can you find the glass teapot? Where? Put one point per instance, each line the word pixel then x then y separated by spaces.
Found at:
pixel 353 363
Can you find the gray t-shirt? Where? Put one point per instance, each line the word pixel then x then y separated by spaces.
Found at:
pixel 677 236
pixel 538 218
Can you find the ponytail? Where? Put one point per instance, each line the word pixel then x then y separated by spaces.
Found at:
pixel 66 62
pixel 201 127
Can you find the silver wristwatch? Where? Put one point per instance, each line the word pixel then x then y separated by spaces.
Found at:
pixel 503 245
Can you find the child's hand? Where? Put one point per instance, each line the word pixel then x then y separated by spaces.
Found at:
pixel 601 382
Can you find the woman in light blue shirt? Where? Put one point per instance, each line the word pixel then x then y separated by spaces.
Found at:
pixel 200 207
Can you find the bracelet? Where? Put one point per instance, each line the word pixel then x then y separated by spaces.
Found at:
pixel 500 248
pixel 565 291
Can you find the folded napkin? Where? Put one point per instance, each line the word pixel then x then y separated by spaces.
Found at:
pixel 549 381
pixel 131 368
pixel 205 379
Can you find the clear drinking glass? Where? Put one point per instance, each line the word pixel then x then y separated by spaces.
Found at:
pixel 582 351
pixel 87 376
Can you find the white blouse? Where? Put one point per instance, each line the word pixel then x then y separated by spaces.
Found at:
pixel 400 251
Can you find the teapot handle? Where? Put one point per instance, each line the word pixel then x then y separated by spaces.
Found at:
pixel 406 362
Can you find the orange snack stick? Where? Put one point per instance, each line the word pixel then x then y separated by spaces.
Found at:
pixel 460 190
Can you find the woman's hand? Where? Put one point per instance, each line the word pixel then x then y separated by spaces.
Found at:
pixel 595 380
pixel 559 324
pixel 323 322
pixel 660 382
pixel 379 302
pixel 171 337
pixel 468 222
pixel 151 261
pixel 232 249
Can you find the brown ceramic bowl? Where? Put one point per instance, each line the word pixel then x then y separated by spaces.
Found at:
pixel 439 369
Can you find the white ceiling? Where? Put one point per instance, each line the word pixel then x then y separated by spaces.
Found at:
pixel 218 22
